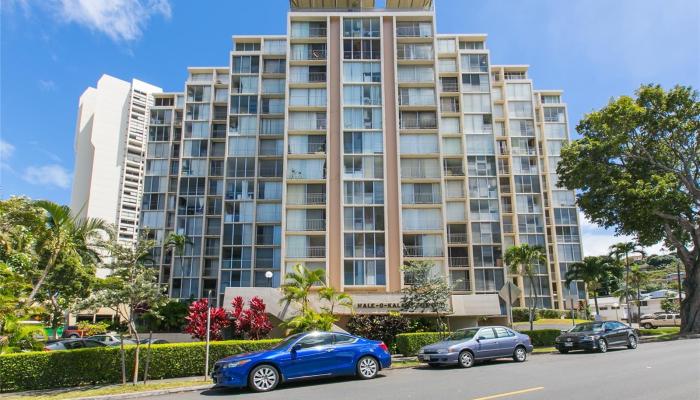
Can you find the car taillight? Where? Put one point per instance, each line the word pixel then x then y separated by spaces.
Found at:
pixel 383 347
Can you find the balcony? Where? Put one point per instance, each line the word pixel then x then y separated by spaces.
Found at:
pixel 456 170
pixel 309 199
pixel 307 252
pixel 458 262
pixel 421 251
pixel 414 30
pixel 294 174
pixel 422 198
pixel 308 125
pixel 315 225
pixel 310 148
pixel 449 87
pixel 419 173
pixel 457 238
pixel 309 55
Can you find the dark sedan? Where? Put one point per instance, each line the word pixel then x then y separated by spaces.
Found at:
pixel 72 344
pixel 598 336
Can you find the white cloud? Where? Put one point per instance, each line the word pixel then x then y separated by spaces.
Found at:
pixel 6 150
pixel 52 174
pixel 121 20
pixel 47 85
pixel 597 240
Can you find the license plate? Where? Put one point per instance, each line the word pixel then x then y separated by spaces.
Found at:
pixel 568 345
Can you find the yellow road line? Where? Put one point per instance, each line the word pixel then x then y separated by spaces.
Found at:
pixel 498 396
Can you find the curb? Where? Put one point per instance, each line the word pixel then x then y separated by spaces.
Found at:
pixel 136 395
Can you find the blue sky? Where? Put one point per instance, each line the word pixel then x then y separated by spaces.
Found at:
pixel 53 49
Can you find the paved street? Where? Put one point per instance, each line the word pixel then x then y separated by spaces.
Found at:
pixel 668 370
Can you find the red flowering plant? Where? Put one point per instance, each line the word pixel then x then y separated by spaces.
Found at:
pixel 252 322
pixel 197 321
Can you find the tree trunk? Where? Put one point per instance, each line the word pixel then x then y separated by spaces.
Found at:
pixel 532 304
pixel 49 266
pixel 639 304
pixel 132 324
pixel 595 300
pixel 690 307
pixel 627 290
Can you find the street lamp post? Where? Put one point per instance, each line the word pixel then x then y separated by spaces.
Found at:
pixel 206 357
pixel 268 275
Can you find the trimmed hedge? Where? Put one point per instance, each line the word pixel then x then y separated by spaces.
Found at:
pixel 54 369
pixel 408 344
pixel 659 331
pixel 542 337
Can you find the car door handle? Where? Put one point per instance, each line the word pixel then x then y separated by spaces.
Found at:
pixel 328 350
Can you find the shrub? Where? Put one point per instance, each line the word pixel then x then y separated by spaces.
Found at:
pixel 542 337
pixel 521 314
pixel 197 320
pixel 382 327
pixel 91 329
pixel 552 314
pixel 659 331
pixel 45 370
pixel 408 344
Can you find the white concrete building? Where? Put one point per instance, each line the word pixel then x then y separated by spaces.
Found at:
pixel 109 152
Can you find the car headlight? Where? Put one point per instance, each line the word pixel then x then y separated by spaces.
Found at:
pixel 442 351
pixel 236 363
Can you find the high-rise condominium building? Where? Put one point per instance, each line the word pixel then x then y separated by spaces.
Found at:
pixel 360 141
pixel 110 146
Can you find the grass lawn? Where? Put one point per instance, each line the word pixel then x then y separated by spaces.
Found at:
pixel 660 331
pixel 405 364
pixel 543 350
pixel 110 390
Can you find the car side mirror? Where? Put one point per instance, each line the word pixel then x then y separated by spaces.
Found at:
pixel 563 331
pixel 296 348
pixel 480 338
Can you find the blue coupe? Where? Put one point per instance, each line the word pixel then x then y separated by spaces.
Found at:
pixel 302 356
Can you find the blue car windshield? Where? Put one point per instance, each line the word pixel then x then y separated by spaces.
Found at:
pixel 463 334
pixel 286 342
pixel 591 327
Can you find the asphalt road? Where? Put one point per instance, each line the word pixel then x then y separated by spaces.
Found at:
pixel 668 370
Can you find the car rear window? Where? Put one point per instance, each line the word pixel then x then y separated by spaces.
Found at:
pixel 503 332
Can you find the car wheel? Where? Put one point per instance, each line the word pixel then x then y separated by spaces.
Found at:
pixel 73 336
pixel 602 345
pixel 520 354
pixel 263 378
pixel 632 342
pixel 563 351
pixel 466 359
pixel 367 367
pixel 648 326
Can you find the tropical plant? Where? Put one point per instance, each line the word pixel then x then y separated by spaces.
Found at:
pixel 636 169
pixel 594 272
pixel 65 235
pixel 298 283
pixel 622 251
pixel 334 298
pixel 91 329
pixel 253 322
pixel 524 260
pixel 309 320
pixel 132 287
pixel 21 337
pixel 638 278
pixel 426 291
pixel 382 327
pixel 176 244
pixel 197 321
pixel 169 317
pixel 670 305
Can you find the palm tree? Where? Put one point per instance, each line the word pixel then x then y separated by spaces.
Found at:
pixel 523 260
pixel 638 278
pixel 335 298
pixel 66 234
pixel 618 250
pixel 298 283
pixel 593 271
pixel 176 243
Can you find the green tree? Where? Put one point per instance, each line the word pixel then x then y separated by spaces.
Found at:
pixel 622 251
pixel 426 291
pixel 524 260
pixel 637 169
pixel 638 278
pixel 132 286
pixel 65 235
pixel 334 298
pixel 594 271
pixel 670 305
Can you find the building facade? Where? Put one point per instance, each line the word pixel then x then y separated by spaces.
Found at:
pixel 110 147
pixel 360 141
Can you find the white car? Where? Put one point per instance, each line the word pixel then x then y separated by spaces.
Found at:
pixel 111 339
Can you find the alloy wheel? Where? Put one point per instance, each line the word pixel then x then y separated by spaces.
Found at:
pixel 264 378
pixel 632 342
pixel 602 345
pixel 520 354
pixel 367 367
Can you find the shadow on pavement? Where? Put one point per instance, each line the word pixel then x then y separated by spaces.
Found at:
pixel 283 387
